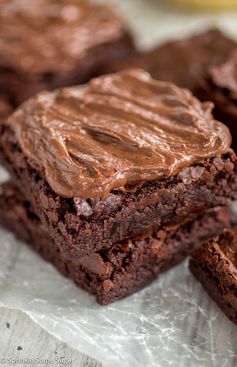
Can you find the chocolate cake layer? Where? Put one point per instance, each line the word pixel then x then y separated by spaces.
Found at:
pixel 110 160
pixel 215 266
pixel 183 62
pixel 45 44
pixel 220 87
pixel 125 267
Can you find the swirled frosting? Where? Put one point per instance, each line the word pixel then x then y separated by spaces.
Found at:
pixel 43 36
pixel 121 129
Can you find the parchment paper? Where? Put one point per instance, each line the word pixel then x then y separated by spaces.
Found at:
pixel 171 323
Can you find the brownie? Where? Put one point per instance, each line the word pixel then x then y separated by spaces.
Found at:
pixel 220 87
pixel 110 160
pixel 183 62
pixel 5 108
pixel 46 44
pixel 125 267
pixel 215 266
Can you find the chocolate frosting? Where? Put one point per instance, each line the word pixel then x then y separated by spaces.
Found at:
pixel 119 130
pixel 43 36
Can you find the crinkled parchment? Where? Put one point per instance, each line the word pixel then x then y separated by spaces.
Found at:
pixel 171 323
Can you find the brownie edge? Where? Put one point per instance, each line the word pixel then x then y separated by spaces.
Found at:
pixel 215 266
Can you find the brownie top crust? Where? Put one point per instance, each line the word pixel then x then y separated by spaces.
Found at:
pixel 193 56
pixel 228 245
pixel 219 258
pixel 222 249
pixel 215 265
pixel 44 36
pixel 5 108
pixel 118 131
pixel 225 75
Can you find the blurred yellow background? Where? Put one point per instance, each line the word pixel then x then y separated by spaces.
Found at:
pixel 206 4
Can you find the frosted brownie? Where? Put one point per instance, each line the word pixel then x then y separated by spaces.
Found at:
pixel 125 267
pixel 183 62
pixel 215 266
pixel 45 44
pixel 220 87
pixel 110 160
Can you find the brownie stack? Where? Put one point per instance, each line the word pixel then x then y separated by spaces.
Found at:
pixel 116 181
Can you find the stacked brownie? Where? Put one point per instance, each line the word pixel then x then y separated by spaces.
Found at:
pixel 119 179
pixel 126 266
pixel 46 44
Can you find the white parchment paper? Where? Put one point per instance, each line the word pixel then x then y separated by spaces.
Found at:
pixel 171 323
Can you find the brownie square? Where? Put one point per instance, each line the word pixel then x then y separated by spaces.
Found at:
pixel 215 266
pixel 220 87
pixel 110 160
pixel 183 62
pixel 46 44
pixel 123 268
